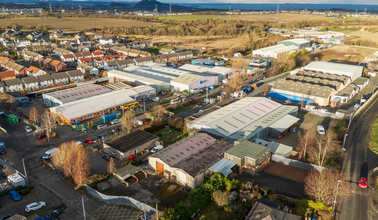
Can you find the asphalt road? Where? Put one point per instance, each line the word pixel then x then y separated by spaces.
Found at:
pixel 357 206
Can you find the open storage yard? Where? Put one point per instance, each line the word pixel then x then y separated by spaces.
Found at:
pixel 74 23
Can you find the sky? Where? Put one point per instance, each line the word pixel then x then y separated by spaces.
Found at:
pixel 359 2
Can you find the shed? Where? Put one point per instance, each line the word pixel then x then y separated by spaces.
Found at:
pixel 126 172
pixel 223 166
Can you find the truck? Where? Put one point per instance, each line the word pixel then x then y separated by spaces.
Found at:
pixel 48 154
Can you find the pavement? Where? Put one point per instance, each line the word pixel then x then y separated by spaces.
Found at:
pixel 358 205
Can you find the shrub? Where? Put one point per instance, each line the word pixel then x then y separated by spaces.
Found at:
pixel 24 192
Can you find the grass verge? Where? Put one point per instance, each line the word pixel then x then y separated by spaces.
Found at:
pixel 177 110
pixel 373 143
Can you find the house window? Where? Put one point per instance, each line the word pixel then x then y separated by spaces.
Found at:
pixel 99 113
pixel 113 152
pixel 81 119
pixel 73 120
pixel 90 116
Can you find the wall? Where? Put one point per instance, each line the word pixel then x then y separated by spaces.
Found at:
pixel 297 163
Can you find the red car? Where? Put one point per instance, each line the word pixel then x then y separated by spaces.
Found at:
pixel 144 121
pixel 89 141
pixel 41 136
pixel 363 183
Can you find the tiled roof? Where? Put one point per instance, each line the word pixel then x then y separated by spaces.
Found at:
pixel 30 79
pixel 32 69
pixel 45 77
pixel 7 74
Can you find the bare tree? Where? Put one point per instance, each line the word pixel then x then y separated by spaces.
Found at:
pixel 111 165
pixel 239 74
pixel 220 198
pixel 323 148
pixel 306 142
pixel 59 157
pixel 127 121
pixel 81 169
pixel 33 115
pixel 69 163
pixel 326 185
pixel 49 121
pixel 157 113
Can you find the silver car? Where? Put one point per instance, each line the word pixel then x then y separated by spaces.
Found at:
pixel 102 126
pixel 28 129
pixel 35 206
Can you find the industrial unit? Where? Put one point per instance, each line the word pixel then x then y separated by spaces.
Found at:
pixel 68 95
pixel 249 118
pixel 92 107
pixel 275 51
pixel 300 43
pixel 351 71
pixel 222 71
pixel 193 81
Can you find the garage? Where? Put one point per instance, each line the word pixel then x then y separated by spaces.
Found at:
pixel 181 177
pixel 159 167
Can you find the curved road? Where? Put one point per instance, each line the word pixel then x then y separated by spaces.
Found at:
pixel 359 158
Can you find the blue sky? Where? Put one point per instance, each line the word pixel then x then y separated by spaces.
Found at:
pixel 375 2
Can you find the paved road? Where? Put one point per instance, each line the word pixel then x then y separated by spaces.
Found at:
pixel 357 206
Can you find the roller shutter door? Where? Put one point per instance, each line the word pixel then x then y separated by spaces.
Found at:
pixel 159 167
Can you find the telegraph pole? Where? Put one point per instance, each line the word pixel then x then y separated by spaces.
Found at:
pixel 80 9
pixel 50 8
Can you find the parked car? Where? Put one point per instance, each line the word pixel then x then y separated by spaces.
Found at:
pixel 145 122
pixel 13 194
pixel 362 183
pixel 8 215
pixel 113 130
pixel 1 112
pixel 157 148
pixel 138 123
pixel 115 121
pixel 102 126
pixel 41 136
pixel 79 143
pixel 84 130
pixel 5 115
pixel 35 206
pixel 28 129
pixel 89 141
pixel 155 99
pixel 2 148
pixel 321 129
pixel 106 156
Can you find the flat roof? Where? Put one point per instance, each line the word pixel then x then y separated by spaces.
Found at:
pixel 93 104
pixel 222 70
pixel 190 78
pixel 297 41
pixel 140 76
pixel 117 86
pixel 127 171
pixel 303 88
pixel 284 123
pixel 277 48
pixel 80 92
pixel 246 148
pixel 275 147
pixel 352 71
pixel 132 140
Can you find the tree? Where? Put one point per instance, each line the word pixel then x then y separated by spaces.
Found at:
pixel 81 169
pixel 127 121
pixel 306 142
pixel 111 165
pixel 59 157
pixel 69 163
pixel 323 148
pixel 220 198
pixel 33 115
pixel 157 113
pixel 324 186
pixel 49 121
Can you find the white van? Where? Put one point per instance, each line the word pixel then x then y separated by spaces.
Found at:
pixel 140 123
pixel 48 154
pixel 155 99
pixel 157 148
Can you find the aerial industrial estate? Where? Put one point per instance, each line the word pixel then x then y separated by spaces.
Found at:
pixel 265 121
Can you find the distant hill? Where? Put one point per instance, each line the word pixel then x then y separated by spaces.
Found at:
pixel 119 5
pixel 150 5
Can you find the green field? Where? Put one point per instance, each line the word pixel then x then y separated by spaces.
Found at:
pixel 155 49
pixel 169 136
pixel 373 144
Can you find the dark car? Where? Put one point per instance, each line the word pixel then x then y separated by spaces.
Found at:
pixel 113 130
pixel 2 150
pixel 106 156
pixel 84 130
pixel 5 216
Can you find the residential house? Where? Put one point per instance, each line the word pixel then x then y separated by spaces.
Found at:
pixel 2 59
pixel 134 53
pixel 45 62
pixel 144 54
pixel 122 50
pixel 142 60
pixel 110 65
pixel 105 41
pixel 262 211
pixel 58 34
pixel 107 58
pixel 166 51
pixel 82 48
pixel 123 63
pixel 58 65
pixel 13 32
pixel 79 35
pixel 117 56
pixel 34 71
pixel 87 54
pixel 74 46
pixel 67 58
pixel 185 55
pixel 30 83
pixel 13 85
pixel 75 76
pixel 130 144
pixel 160 58
pixel 97 53
pixel 61 78
pixel 98 62
pixel 31 56
pixel 6 42
pixel 88 70
pixel 84 40
pixel 78 56
pixel 45 80
pixel 88 61
pixel 34 35
pixel 6 75
pixel 22 42
pixel 19 70
pixel 248 155
pixel 61 51
pixel 172 57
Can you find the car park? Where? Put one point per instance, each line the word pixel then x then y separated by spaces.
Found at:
pixel 362 183
pixel 106 156
pixel 320 129
pixel 28 129
pixel 8 215
pixel 35 206
pixel 102 126
pixel 115 121
pixel 13 194
pixel 41 136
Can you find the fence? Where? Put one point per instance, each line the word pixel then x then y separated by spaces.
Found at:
pixel 296 163
pixel 330 114
pixel 120 200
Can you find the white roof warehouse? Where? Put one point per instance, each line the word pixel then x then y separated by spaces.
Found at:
pixel 249 118
pixel 92 107
pixel 351 71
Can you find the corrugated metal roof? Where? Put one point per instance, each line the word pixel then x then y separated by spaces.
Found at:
pixel 284 123
pixel 140 76
pixel 352 71
pixel 189 78
pixel 275 147
pixel 223 166
pixel 247 148
pixel 80 92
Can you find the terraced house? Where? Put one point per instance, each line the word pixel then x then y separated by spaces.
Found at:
pixel 19 70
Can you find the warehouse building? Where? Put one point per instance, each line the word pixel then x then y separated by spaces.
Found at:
pixel 249 118
pixel 69 95
pixel 300 43
pixel 193 81
pixel 222 71
pixel 92 107
pixel 351 71
pixel 276 51
pixel 188 159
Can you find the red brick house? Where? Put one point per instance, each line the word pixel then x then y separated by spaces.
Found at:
pixel 58 65
pixel 7 75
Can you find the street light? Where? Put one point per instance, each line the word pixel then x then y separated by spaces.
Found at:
pixel 345 136
pixel 337 187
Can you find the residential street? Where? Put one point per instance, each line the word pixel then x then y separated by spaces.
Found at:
pixel 358 205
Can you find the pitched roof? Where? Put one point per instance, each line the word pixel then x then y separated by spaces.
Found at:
pixel 132 140
pixel 12 82
pixel 7 74
pixel 74 73
pixel 45 77
pixel 61 75
pixel 84 60
pixel 78 55
pixel 127 171
pixel 87 53
pixel 111 63
pixel 66 56
pixel 246 148
pixel 32 69
pixel 4 59
pixel 55 62
pixel 97 53
pixel 30 79
pixel 260 211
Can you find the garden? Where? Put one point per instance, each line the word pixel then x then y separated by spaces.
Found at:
pixel 169 135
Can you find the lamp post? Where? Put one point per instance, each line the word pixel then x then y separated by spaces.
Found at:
pixel 337 187
pixel 82 202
